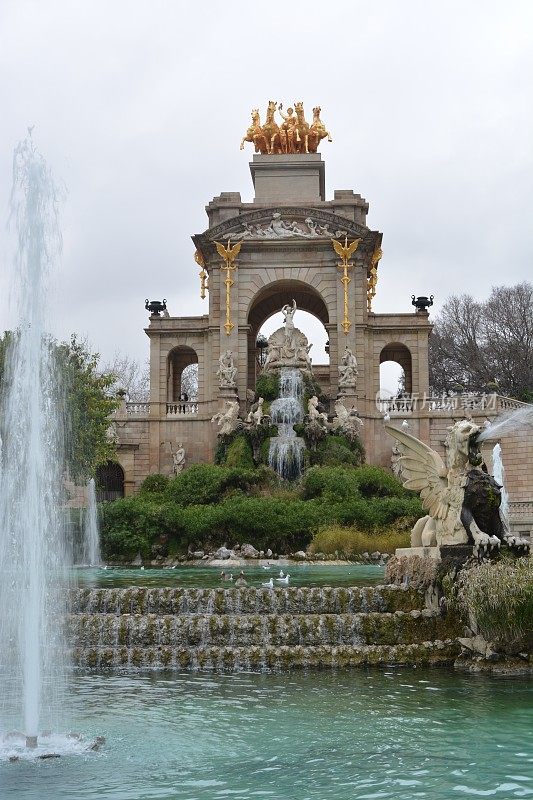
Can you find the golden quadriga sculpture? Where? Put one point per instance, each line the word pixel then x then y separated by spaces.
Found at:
pixel 293 135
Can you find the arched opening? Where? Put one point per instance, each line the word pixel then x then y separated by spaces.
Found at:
pixel 264 317
pixel 395 371
pixel 109 481
pixel 182 374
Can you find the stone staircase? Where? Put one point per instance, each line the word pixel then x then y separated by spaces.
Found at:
pixel 259 629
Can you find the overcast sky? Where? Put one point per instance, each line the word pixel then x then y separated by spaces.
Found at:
pixel 139 108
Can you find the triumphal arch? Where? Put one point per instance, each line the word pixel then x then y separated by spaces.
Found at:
pixel 291 244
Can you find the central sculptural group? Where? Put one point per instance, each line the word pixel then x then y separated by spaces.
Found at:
pixel 294 135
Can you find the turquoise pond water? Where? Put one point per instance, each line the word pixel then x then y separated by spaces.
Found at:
pixel 209 577
pixel 363 734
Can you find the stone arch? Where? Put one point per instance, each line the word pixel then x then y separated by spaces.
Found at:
pixel 270 299
pixel 109 481
pixel 178 359
pixel 400 353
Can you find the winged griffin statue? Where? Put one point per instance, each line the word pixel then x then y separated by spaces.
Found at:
pixel 463 501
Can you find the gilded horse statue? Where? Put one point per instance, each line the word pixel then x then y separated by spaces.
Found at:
pixel 256 135
pixel 271 128
pixel 302 129
pixel 317 131
pixel 294 135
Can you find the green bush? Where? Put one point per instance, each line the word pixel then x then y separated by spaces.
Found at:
pixel 130 525
pixel 239 453
pixel 330 483
pixel 349 542
pixel 378 513
pixel 499 596
pixel 377 482
pixel 267 386
pixel 335 450
pixel 272 522
pixel 198 485
pixel 209 504
pixel 154 484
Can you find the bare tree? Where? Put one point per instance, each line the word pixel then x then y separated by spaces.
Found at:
pixel 480 346
pixel 130 376
pixel 189 381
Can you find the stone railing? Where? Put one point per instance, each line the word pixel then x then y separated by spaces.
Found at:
pixel 521 509
pixel 409 403
pixel 181 408
pixel 138 408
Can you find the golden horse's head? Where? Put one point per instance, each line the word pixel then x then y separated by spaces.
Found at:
pixel 316 112
pixel 272 105
pixel 299 107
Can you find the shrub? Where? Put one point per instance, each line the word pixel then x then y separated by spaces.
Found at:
pixel 499 596
pixel 330 483
pixel 335 450
pixel 239 453
pixel 378 513
pixel 267 386
pixel 270 522
pixel 198 485
pixel 130 525
pixel 349 542
pixel 377 482
pixel 154 484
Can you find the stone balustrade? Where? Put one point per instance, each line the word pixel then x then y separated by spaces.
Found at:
pixel 180 408
pixel 133 408
pixel 469 401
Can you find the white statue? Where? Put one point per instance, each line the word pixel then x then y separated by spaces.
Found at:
pixel 288 346
pixel 227 419
pixel 227 371
pixel 347 422
pixel 348 370
pixel 178 458
pixel 255 415
pixel 288 312
pixel 452 519
pixel 395 461
pixel 316 416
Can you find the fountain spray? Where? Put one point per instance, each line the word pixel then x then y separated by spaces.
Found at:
pixel 32 545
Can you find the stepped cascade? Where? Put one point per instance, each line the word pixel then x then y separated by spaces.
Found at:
pixel 249 628
pixel 286 453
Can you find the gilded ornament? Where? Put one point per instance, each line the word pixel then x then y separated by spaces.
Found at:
pixel 345 252
pixel 198 257
pixel 228 255
pixel 293 135
pixel 372 278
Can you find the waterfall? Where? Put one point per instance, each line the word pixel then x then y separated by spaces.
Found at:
pixel 498 473
pixel 286 454
pixel 32 543
pixel 91 532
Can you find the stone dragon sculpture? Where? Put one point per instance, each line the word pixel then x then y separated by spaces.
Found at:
pixel 463 501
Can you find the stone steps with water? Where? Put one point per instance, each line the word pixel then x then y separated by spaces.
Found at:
pixel 256 628
pixel 246 630
pixel 253 657
pixel 250 600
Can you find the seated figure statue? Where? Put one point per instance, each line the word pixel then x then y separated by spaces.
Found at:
pixel 227 371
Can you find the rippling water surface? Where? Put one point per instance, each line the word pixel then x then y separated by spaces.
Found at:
pixel 209 577
pixel 359 735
